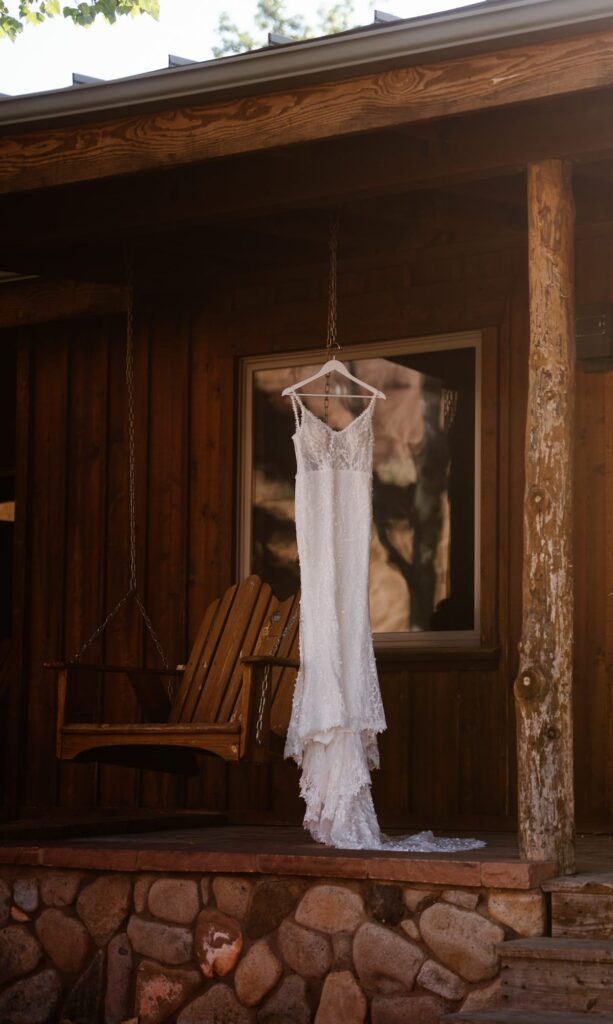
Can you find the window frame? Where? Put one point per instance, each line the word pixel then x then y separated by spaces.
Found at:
pixel 393 641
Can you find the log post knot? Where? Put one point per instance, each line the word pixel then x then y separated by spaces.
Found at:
pixel 530 685
pixel 538 500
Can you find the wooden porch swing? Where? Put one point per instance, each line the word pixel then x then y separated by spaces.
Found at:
pixel 241 667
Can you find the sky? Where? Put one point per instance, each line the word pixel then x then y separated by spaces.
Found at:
pixel 44 56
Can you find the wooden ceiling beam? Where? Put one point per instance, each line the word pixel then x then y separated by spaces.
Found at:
pixel 338 172
pixel 38 301
pixel 168 138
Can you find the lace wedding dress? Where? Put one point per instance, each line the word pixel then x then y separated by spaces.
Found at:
pixel 337 709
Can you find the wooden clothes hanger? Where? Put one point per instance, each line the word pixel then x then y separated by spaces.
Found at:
pixel 333 365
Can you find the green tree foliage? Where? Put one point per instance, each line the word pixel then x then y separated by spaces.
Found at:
pixel 271 16
pixel 32 12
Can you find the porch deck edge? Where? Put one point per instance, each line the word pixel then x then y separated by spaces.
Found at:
pixel 419 869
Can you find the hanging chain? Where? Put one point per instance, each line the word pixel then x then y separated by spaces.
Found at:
pixel 450 406
pixel 259 724
pixel 133 587
pixel 331 341
pixel 131 426
pixel 101 628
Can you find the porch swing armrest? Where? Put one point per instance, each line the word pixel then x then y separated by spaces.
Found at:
pixel 77 666
pixel 257 740
pixel 270 659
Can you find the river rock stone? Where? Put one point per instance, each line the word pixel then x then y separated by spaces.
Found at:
pixel 524 912
pixel 160 991
pixel 19 915
pixel 217 1006
pixel 330 908
pixel 174 899
pixel 25 894
pixel 273 900
pixel 288 1005
pixel 441 981
pixel 257 973
pixel 60 888
pixel 385 962
pixel 306 952
pixel 385 903
pixel 5 903
pixel 414 898
pixel 483 998
pixel 415 1009
pixel 205 890
pixel 31 1000
pixel 219 942
pixel 85 999
pixel 341 952
pixel 461 898
pixel 142 886
pixel 232 895
pixel 102 906
pixel 462 940
pixel 19 952
pixel 65 939
pixel 342 1000
pixel 410 929
pixel 166 943
pixel 118 977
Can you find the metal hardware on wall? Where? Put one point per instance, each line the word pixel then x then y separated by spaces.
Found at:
pixel 594 337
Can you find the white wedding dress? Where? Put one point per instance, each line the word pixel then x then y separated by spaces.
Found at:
pixel 337 709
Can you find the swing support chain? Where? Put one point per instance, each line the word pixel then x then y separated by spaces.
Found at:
pixel 259 726
pixel 331 337
pixel 132 591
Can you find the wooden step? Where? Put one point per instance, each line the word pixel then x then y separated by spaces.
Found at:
pixel 586 882
pixel 581 915
pixel 582 906
pixel 558 974
pixel 525 1016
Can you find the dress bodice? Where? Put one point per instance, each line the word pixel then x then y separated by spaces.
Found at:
pixel 318 446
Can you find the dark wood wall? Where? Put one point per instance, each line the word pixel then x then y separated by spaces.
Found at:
pixel 448 755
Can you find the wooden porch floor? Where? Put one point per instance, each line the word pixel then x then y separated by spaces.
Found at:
pixel 291 851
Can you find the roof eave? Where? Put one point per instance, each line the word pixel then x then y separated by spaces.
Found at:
pixel 483 26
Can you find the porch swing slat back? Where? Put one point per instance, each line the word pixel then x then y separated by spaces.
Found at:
pixel 231 698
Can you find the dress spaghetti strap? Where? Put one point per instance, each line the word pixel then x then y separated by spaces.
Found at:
pixel 297 407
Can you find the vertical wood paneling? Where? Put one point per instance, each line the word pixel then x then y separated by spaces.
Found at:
pixel 122 639
pixel 471 757
pixel 164 587
pixel 211 493
pixel 448 755
pixel 593 548
pixel 85 538
pixel 607 814
pixel 512 466
pixel 46 596
pixel 419 740
pixel 16 726
pixel 391 789
pixel 591 688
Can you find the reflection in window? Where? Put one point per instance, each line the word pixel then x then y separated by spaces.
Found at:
pixel 423 541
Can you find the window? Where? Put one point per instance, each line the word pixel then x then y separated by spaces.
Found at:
pixel 424 570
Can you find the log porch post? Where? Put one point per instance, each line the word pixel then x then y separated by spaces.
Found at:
pixel 543 688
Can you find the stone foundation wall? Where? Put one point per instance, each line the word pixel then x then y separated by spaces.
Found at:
pixel 91 948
